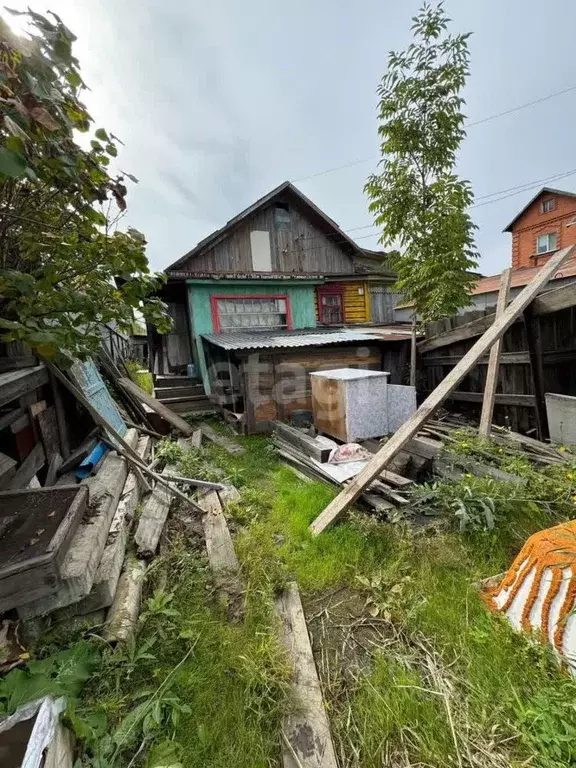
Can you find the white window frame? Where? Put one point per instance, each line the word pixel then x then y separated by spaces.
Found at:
pixel 548 249
pixel 548 202
pixel 250 316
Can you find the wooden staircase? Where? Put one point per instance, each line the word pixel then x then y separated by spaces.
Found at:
pixel 182 394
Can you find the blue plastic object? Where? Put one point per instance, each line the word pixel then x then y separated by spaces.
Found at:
pixel 91 461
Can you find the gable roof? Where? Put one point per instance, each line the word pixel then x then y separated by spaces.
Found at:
pixel 544 190
pixel 286 186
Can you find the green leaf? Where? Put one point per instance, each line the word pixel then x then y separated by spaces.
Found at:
pixel 12 164
pixel 13 127
pixel 101 134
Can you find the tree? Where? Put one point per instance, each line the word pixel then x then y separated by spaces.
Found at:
pixel 65 267
pixel 417 198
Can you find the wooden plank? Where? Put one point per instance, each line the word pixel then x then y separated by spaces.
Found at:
pixel 506 358
pixel 53 467
pixel 555 300
pixel 7 469
pixel 408 430
pixel 9 418
pixel 229 445
pixel 494 364
pixel 60 416
pixel 302 441
pixel 501 398
pixel 20 361
pixel 48 428
pixel 151 521
pixel 534 342
pixel 219 545
pixel 15 384
pixel 32 463
pixel 307 739
pixel 461 333
pixel 157 406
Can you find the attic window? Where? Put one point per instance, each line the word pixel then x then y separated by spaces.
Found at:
pixel 282 215
pixel 548 205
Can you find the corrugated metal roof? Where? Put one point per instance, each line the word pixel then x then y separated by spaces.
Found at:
pixel 308 338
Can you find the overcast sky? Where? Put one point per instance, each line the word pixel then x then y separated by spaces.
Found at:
pixel 218 102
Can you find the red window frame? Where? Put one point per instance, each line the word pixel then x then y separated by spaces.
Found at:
pixel 214 299
pixel 330 290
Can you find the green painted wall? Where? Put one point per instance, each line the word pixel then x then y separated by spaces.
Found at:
pixel 299 292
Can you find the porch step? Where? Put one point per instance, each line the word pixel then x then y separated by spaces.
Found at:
pixel 167 380
pixel 194 406
pixel 169 401
pixel 161 393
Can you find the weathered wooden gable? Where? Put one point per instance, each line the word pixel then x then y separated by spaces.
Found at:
pixel 299 244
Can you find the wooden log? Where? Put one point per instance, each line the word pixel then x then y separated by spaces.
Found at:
pixel 409 429
pixel 123 614
pixel 32 464
pixel 494 364
pixel 157 406
pixel 308 743
pixel 222 441
pixel 302 441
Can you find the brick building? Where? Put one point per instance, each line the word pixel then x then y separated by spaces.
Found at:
pixel 546 224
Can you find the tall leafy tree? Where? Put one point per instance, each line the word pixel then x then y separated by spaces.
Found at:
pixel 417 197
pixel 65 267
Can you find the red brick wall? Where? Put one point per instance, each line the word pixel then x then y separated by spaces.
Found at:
pixel 533 223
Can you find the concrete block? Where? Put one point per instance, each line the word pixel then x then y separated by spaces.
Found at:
pixel 561 410
pixel 83 557
pixel 401 405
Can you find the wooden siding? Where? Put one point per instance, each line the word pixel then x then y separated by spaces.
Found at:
pixel 356 305
pixel 515 391
pixel 299 246
pixel 301 296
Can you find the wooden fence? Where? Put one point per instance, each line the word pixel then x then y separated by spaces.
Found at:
pixel 538 356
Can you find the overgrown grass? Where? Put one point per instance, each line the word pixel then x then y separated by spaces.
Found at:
pixel 436 680
pixel 193 688
pixel 140 376
pixel 450 682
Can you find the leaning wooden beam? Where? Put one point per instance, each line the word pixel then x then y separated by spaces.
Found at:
pixel 348 496
pixel 156 405
pixel 494 363
pixel 461 333
pixel 307 739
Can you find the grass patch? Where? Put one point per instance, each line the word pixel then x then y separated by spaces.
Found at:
pixel 140 376
pixel 192 688
pixel 415 670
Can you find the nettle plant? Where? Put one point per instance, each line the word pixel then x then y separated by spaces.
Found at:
pixel 65 267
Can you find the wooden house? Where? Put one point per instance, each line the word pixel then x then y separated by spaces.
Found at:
pixel 278 268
